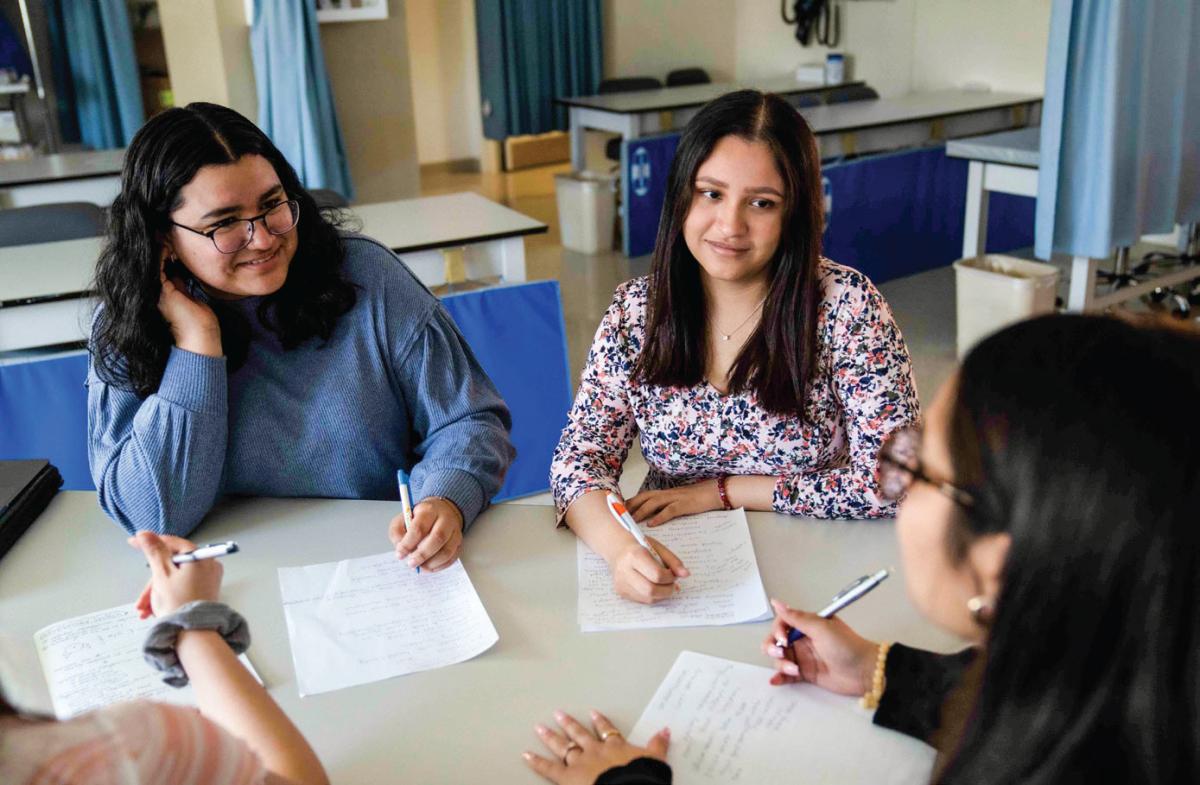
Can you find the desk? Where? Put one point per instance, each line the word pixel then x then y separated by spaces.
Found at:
pixel 636 113
pixel 45 288
pixel 468 722
pixel 90 176
pixel 916 119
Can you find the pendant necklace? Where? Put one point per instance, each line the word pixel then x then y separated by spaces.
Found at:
pixel 730 334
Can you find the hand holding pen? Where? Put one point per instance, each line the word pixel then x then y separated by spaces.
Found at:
pixel 645 571
pixel 428 535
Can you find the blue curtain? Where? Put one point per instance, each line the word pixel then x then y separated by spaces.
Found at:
pixel 1120 142
pixel 103 69
pixel 531 52
pixel 295 102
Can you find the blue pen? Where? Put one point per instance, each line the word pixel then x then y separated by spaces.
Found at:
pixel 851 593
pixel 405 501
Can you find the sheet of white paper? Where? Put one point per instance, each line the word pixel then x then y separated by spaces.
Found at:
pixel 94 660
pixel 363 620
pixel 724 587
pixel 728 725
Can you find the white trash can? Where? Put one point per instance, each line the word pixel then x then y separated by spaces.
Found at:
pixel 587 210
pixel 994 291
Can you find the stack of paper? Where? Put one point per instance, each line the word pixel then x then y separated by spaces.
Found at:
pixel 729 725
pixel 724 587
pixel 363 620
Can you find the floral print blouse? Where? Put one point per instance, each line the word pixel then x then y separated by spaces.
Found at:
pixel 862 391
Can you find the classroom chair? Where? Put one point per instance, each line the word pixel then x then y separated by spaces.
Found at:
pixel 43 414
pixel 687 76
pixel 844 95
pixel 47 223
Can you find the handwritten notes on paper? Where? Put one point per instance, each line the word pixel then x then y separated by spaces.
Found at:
pixel 728 725
pixel 363 620
pixel 724 587
pixel 94 660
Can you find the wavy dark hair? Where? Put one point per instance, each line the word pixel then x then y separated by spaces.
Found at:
pixel 778 360
pixel 130 339
pixel 1074 434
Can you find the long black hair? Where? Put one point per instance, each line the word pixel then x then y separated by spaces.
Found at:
pixel 130 339
pixel 778 360
pixel 1075 434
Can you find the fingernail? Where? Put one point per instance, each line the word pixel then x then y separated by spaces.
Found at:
pixel 527 755
pixel 775 652
pixel 791 669
pixel 540 729
pixel 595 714
pixel 666 732
pixel 412 562
pixel 560 715
pixel 779 606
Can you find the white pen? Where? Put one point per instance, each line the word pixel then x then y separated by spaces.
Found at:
pixel 211 551
pixel 617 508
pixel 850 594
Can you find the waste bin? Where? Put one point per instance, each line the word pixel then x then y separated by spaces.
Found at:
pixel 587 210
pixel 993 291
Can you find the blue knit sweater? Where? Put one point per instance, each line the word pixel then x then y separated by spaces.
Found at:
pixel 394 387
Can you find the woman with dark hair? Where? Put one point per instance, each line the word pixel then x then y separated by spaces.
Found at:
pixel 1049 519
pixel 244 345
pixel 757 373
pixel 240 736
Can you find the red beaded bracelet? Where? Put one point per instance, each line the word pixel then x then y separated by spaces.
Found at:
pixel 724 494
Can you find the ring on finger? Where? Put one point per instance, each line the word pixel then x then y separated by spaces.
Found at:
pixel 571 747
pixel 606 735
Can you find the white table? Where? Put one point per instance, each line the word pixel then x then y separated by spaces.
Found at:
pixel 468 722
pixel 45 289
pixel 1008 163
pixel 89 176
pixel 915 119
pixel 634 114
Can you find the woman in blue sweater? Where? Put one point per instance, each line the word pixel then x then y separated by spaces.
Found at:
pixel 244 345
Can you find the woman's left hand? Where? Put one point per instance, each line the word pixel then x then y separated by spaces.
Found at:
pixel 580 756
pixel 435 538
pixel 657 507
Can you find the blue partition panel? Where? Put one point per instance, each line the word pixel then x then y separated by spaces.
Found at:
pixel 518 335
pixel 43 414
pixel 644 165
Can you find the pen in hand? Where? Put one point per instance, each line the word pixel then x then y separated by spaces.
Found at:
pixel 852 593
pixel 213 550
pixel 618 511
pixel 405 501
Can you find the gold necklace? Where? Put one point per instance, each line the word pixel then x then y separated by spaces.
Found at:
pixel 726 336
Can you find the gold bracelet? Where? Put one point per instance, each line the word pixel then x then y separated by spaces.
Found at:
pixel 870 700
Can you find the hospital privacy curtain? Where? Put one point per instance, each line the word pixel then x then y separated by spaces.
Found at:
pixel 531 52
pixel 295 101
pixel 1120 140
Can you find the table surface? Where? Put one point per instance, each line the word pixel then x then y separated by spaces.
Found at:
pixel 448 220
pixel 856 115
pixel 689 95
pixel 467 722
pixel 1021 147
pixel 49 271
pixel 61 166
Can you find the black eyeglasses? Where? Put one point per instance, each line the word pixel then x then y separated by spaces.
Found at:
pixel 236 234
pixel 900 466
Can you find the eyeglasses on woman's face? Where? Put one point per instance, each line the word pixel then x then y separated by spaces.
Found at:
pixel 899 466
pixel 234 234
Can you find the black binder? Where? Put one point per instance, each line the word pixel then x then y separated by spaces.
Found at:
pixel 26 487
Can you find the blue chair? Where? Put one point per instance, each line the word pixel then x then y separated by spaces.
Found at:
pixel 518 335
pixel 43 414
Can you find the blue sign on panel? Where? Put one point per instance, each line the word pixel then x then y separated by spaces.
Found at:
pixel 645 163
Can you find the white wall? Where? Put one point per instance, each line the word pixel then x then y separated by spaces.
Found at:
pixel 1001 43
pixel 652 37
pixel 445 79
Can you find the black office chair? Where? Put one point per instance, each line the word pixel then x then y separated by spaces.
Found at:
pixel 629 84
pixel 48 223
pixel 687 76
pixel 803 100
pixel 327 198
pixel 844 95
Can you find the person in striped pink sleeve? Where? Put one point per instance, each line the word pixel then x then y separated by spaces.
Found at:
pixel 238 737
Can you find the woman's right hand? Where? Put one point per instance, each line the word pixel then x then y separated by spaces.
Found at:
pixel 172 585
pixel 638 577
pixel 193 324
pixel 830 655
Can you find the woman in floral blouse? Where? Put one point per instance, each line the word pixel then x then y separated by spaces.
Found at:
pixel 757 373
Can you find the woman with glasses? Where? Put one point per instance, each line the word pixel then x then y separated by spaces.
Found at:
pixel 1050 521
pixel 245 345
pixel 754 372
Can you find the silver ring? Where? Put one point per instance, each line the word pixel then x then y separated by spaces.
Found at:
pixel 609 733
pixel 570 748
